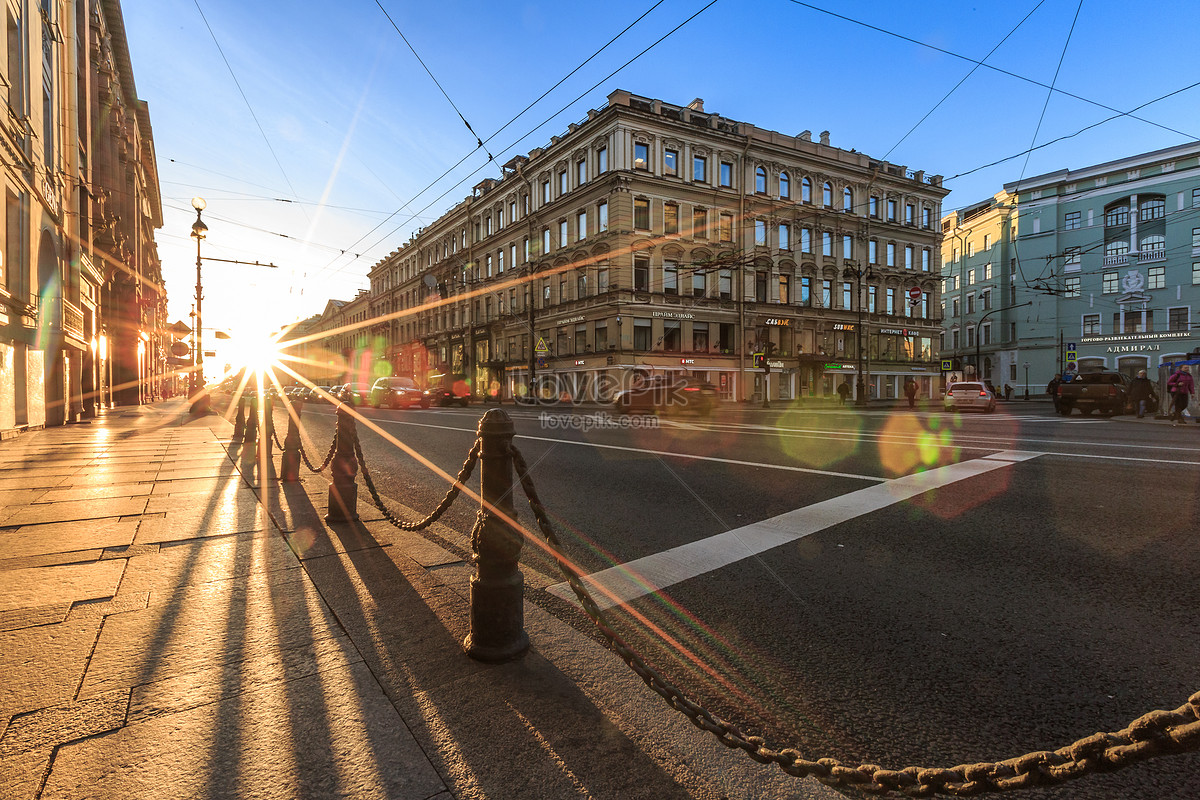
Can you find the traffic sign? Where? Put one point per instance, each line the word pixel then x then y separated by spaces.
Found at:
pixel 947 364
pixel 914 293
pixel 542 349
pixel 1070 347
pixel 1070 356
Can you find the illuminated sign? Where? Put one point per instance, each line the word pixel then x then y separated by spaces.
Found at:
pixel 687 361
pixel 839 366
pixel 843 326
pixel 579 363
pixel 671 315
pixel 780 321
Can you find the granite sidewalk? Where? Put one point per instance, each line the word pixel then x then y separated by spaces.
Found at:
pixel 171 626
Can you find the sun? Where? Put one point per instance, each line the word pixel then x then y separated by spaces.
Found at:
pixel 255 353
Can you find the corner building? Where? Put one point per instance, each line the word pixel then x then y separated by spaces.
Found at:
pixel 659 239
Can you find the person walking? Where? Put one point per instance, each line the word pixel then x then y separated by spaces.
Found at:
pixel 1141 393
pixel 910 391
pixel 1052 390
pixel 843 391
pixel 1181 387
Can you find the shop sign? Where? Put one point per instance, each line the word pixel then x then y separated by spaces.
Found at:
pixel 782 322
pixel 687 361
pixel 893 331
pixel 580 363
pixel 481 331
pixel 1135 337
pixel 569 320
pixel 843 326
pixel 1128 348
pixel 839 366
pixel 671 315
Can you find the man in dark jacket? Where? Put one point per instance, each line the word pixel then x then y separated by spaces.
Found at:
pixel 1052 390
pixel 1142 394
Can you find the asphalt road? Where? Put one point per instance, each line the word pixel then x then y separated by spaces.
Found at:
pixel 1035 584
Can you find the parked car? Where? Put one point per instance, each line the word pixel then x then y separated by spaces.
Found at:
pixel 398 393
pixel 1105 391
pixel 969 396
pixel 447 390
pixel 660 394
pixel 314 394
pixel 355 394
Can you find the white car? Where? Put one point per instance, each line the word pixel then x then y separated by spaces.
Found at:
pixel 973 395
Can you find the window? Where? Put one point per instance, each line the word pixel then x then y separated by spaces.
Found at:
pixel 890 300
pixel 1195 198
pixel 545 192
pixel 700 337
pixel 785 184
pixel 545 240
pixel 487 269
pixel 1109 285
pixel 726 174
pixel 641 334
pixel 1195 238
pixel 784 241
pixel 1156 277
pixel 827 293
pixel 827 194
pixel 641 214
pixel 1071 286
pixel 987 271
pixel 1152 209
pixel 760 233
pixel 512 255
pixel 1072 221
pixel 848 199
pixel 581 225
pixel 527 249
pixel 891 254
pixel 670 219
pixel 562 183
pixel 602 217
pixel 805 191
pixel 641 274
pixel 908 256
pixel 847 246
pixel 670 277
pixel 699 169
pixel 1091 324
pixel 806 291
pixel 581 285
pixel 985 299
pixel 1196 273
pixel 872 292
pixel 785 289
pixel 891 210
pixel 847 295
pixel 725 228
pixel 562 233
pixel 725 284
pixel 970 304
pixel 1072 259
pixel 500 262
pixel 926 218
pixel 873 252
pixel 670 162
pixel 910 214
pixel 826 243
pixel 1177 319
pixel 926 256
pixel 760 287
pixel 641 155
pixel 602 160
pixel 1152 243
pixel 873 206
pixel 970 249
pixel 1116 215
pixel 699 223
pixel 805 240
pixel 970 277
pixel 487 227
pixel 602 281
pixel 760 180
pixel 699 284
pixel 581 172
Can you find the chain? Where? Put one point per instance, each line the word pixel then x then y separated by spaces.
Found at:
pixel 328 456
pixel 274 433
pixel 464 475
pixel 1153 734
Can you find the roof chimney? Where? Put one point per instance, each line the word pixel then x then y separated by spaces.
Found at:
pixel 697 105
pixel 824 137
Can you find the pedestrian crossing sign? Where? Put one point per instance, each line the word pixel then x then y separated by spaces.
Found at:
pixel 541 349
pixel 947 364
pixel 1070 356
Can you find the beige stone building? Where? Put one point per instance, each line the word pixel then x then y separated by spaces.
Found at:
pixel 653 238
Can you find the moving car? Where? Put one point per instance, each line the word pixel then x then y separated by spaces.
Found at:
pixel 355 394
pixel 969 396
pixel 660 394
pixel 398 393
pixel 445 390
pixel 1104 391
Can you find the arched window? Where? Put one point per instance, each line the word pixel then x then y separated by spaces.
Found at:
pixel 1154 242
pixel 785 186
pixel 1117 214
pixel 1151 209
pixel 827 194
pixel 848 199
pixel 806 191
pixel 760 180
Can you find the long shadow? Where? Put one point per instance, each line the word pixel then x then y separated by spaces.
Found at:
pixel 516 730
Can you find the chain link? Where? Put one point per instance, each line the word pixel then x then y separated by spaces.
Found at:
pixel 1154 734
pixel 464 474
pixel 328 456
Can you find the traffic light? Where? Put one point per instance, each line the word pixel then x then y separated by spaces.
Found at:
pixel 760 360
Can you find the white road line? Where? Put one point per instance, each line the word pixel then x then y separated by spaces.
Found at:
pixel 625 582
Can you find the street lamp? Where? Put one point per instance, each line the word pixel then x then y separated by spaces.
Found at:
pixel 200 399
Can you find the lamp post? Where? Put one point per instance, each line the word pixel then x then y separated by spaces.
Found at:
pixel 200 399
pixel 1026 380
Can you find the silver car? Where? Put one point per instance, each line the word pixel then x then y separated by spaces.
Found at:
pixel 969 396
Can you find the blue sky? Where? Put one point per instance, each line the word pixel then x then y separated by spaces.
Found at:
pixel 317 138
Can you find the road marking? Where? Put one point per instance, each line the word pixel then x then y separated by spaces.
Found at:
pixel 625 582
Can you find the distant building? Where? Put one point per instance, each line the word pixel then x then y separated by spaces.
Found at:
pixel 1103 262
pixel 652 238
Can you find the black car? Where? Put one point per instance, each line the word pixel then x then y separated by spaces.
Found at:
pixel 398 393
pixel 447 391
pixel 661 394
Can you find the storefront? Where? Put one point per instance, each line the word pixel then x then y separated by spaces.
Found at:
pixel 1132 352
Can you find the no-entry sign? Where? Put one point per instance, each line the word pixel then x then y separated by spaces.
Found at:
pixel 914 293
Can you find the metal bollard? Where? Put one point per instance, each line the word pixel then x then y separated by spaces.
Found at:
pixel 250 436
pixel 239 424
pixel 266 440
pixel 343 492
pixel 497 587
pixel 290 469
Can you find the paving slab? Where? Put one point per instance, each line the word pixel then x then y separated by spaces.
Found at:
pixel 17 498
pixel 104 476
pixel 72 510
pixel 19 618
pixel 66 537
pixel 25 481
pixel 43 666
pixel 103 492
pixel 197 523
pixel 22 775
pixel 65 723
pixel 191 562
pixel 326 735
pixel 29 588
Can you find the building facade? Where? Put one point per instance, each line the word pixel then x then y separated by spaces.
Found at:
pixel 81 202
pixel 659 239
pixel 1103 263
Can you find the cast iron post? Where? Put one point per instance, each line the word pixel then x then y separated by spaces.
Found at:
pixel 290 468
pixel 343 492
pixel 497 587
pixel 251 434
pixel 239 424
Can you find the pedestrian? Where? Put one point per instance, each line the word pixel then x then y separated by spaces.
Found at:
pixel 1181 387
pixel 910 391
pixel 1008 390
pixel 843 391
pixel 1141 393
pixel 1052 390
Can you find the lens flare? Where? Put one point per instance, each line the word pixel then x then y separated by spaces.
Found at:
pixel 819 449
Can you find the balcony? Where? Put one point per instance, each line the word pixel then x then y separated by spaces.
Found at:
pixel 1150 256
pixel 1116 261
pixel 72 320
